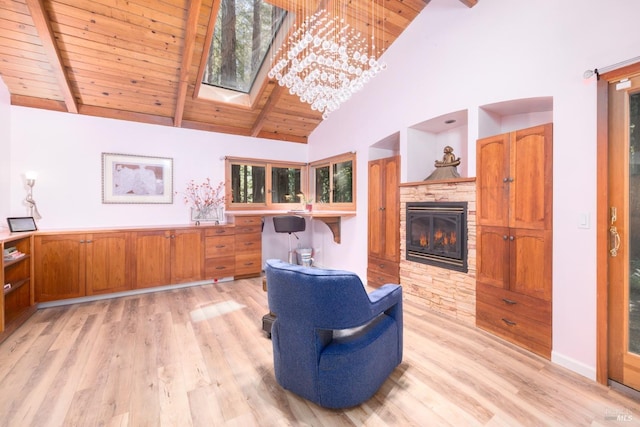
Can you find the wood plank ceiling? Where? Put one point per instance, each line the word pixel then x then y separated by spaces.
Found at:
pixel 142 60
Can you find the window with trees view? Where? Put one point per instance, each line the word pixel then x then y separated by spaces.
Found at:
pixel 333 182
pixel 264 183
pixel 272 184
pixel 243 33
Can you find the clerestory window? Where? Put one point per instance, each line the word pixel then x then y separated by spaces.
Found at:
pixel 243 34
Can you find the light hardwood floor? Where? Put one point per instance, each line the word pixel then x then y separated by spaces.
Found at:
pixel 197 356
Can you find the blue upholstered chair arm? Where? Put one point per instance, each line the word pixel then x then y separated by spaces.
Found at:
pixel 385 297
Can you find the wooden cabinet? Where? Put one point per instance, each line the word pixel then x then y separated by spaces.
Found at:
pixel 17 302
pixel 166 257
pixel 514 236
pixel 248 246
pixel 219 252
pixel 79 264
pixel 384 222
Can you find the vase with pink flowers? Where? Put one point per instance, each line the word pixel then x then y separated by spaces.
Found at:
pixel 206 201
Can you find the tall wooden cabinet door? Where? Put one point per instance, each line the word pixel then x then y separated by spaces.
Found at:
pixel 187 256
pixel 107 255
pixel 59 267
pixel 384 208
pixel 531 263
pixel 391 211
pixel 530 178
pixel 376 205
pixel 493 255
pixel 492 181
pixel 153 258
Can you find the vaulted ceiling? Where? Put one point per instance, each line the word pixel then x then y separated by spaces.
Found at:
pixel 142 60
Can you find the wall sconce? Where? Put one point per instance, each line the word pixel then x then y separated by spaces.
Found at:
pixel 33 209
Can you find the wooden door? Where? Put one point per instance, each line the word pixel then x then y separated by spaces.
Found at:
pixel 376 205
pixel 492 246
pixel 107 269
pixel 530 175
pixel 624 229
pixel 153 258
pixel 492 176
pixel 59 267
pixel 391 211
pixel 530 252
pixel 187 256
pixel 384 208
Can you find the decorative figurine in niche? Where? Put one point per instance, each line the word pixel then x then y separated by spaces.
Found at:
pixel 446 168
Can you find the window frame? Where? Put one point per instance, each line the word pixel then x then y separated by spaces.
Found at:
pixel 331 161
pixel 268 164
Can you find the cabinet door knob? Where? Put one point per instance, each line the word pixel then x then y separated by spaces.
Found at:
pixel 89 241
pixel 505 237
pixel 505 179
pixel 82 241
pixel 511 238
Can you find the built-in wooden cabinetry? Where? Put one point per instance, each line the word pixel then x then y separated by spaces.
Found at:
pixel 384 222
pixel 168 256
pixel 17 301
pixel 78 264
pixel 248 245
pixel 514 236
pixel 73 265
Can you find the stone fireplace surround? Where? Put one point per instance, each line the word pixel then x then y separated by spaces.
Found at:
pixel 449 292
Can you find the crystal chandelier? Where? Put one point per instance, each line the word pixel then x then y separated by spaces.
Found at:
pixel 326 60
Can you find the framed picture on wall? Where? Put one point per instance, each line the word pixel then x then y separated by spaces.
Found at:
pixel 129 178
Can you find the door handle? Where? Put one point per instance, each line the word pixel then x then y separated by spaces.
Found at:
pixel 614 240
pixel 614 237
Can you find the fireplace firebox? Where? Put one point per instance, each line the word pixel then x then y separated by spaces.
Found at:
pixel 437 234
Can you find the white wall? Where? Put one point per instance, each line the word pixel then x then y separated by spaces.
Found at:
pixel 453 58
pixel 5 149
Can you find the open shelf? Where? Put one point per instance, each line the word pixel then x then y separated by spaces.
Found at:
pixel 17 302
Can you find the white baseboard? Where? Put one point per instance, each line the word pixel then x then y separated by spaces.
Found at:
pixel 574 365
pixel 128 293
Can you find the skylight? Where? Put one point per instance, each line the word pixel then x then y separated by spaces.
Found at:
pixel 242 36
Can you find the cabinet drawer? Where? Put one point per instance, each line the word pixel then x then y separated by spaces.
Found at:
pixel 249 229
pixel 515 303
pixel 219 246
pixel 377 279
pixel 241 221
pixel 220 267
pixel 384 266
pixel 248 243
pixel 248 263
pixel 520 330
pixel 220 231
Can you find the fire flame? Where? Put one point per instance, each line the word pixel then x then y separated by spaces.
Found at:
pixel 423 240
pixel 446 239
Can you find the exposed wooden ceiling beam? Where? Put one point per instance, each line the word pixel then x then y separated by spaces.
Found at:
pixel 187 57
pixel 204 56
pixel 38 14
pixel 469 3
pixel 268 106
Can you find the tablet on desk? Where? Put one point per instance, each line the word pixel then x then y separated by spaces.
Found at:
pixel 23 223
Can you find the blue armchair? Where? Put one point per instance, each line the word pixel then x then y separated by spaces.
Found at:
pixel 333 343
